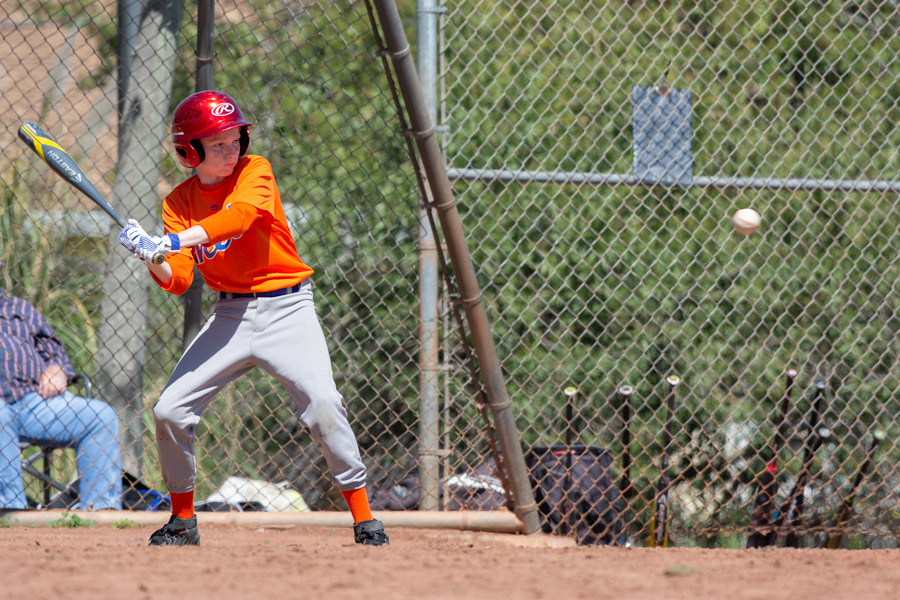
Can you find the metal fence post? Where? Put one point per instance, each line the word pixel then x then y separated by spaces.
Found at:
pixel 429 422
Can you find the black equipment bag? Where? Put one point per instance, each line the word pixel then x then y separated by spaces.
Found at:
pixel 593 504
pixel 585 503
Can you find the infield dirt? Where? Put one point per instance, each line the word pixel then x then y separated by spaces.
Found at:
pixel 294 562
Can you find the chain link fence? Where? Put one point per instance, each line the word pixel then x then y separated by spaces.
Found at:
pixel 593 279
pixel 601 285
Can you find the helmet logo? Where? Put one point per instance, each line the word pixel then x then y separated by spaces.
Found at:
pixel 222 110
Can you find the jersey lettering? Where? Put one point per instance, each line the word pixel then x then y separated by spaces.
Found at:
pixel 205 253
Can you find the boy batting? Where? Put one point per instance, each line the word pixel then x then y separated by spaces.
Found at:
pixel 228 220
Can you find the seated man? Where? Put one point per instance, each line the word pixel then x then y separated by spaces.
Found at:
pixel 35 407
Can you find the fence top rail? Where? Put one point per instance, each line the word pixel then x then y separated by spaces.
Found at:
pixel 757 183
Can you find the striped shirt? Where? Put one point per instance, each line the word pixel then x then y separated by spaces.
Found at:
pixel 28 345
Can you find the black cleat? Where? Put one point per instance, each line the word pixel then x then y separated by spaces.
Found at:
pixel 370 533
pixel 177 532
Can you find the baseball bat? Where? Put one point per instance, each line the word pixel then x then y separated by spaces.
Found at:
pixel 837 530
pixel 659 523
pixel 625 392
pixel 792 512
pixel 761 534
pixel 565 524
pixel 63 165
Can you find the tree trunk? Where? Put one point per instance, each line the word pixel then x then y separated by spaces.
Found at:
pixel 129 15
pixel 123 320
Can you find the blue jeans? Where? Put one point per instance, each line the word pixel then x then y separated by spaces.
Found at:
pixel 90 426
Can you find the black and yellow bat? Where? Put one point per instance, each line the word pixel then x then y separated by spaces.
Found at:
pixel 63 165
pixel 625 487
pixel 565 524
pixel 625 392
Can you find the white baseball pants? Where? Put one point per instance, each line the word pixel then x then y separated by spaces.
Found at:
pixel 283 336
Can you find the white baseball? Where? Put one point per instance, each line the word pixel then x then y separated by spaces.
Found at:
pixel 746 221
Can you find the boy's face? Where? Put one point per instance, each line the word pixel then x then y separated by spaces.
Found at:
pixel 221 155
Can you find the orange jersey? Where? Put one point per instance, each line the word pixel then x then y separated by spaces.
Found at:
pixel 251 248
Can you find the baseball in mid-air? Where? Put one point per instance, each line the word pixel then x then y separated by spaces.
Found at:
pixel 746 221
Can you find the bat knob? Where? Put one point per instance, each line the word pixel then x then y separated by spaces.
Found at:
pixel 158 259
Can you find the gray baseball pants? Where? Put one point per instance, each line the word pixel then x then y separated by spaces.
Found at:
pixel 282 335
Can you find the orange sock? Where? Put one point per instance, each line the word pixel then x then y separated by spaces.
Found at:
pixel 358 502
pixel 183 504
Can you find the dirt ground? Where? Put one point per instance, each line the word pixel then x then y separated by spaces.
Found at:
pixel 323 562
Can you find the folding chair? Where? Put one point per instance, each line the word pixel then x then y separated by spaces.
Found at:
pixel 45 456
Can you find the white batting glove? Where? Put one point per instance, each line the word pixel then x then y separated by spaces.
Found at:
pixel 130 235
pixel 152 247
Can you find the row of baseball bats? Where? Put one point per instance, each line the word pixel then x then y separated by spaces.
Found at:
pixel 659 520
pixel 770 524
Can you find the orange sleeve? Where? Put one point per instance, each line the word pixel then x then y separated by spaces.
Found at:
pixel 182 273
pixel 256 185
pixel 235 220
pixel 182 262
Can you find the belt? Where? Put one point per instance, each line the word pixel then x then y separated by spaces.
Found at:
pixel 270 294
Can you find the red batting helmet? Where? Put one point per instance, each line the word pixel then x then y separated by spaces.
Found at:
pixel 201 115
